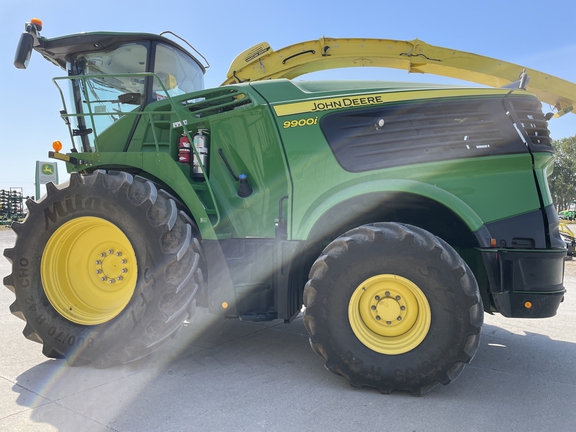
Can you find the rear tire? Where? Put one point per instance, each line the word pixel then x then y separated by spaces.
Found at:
pixel 105 269
pixel 393 307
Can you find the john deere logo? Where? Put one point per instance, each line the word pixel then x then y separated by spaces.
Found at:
pixel 45 172
pixel 48 169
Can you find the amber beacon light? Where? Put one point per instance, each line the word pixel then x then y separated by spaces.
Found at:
pixel 37 22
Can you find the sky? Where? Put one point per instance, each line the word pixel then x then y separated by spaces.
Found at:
pixel 531 33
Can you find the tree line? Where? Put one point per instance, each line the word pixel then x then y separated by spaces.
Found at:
pixel 562 182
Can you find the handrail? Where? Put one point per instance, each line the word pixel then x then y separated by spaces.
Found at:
pixel 148 114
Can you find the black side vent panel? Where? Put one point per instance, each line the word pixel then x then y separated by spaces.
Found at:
pixel 421 131
pixel 531 119
pixel 218 101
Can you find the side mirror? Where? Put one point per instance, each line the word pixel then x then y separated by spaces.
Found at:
pixel 24 50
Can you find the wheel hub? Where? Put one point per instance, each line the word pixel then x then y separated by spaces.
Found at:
pixel 387 310
pixel 389 314
pixel 111 266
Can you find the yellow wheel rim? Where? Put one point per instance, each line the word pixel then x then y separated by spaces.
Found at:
pixel 89 270
pixel 389 314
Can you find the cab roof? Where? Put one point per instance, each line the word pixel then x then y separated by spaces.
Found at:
pixel 59 50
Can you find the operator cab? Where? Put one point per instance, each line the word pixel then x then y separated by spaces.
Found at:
pixel 118 73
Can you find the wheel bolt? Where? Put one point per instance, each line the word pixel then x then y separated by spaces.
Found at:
pixel 378 317
pixel 388 322
pixel 103 278
pixel 399 318
pixel 98 271
pixel 111 281
pixel 373 307
pixel 124 261
pixel 103 254
pixel 119 278
pixel 387 293
pixel 398 297
pixel 124 270
pixel 118 253
pixel 98 262
pixel 402 307
pixel 110 251
pixel 377 298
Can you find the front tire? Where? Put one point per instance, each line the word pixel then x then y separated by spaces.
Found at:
pixel 393 307
pixel 105 269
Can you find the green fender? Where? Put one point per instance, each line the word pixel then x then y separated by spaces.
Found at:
pixel 334 197
pixel 162 166
pixel 158 165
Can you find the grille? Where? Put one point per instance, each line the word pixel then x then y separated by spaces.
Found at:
pixel 529 115
pixel 217 102
pixel 256 52
pixel 424 131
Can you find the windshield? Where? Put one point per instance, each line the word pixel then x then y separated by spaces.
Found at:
pixel 109 93
pixel 111 87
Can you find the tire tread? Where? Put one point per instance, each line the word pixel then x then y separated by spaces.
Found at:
pixel 167 293
pixel 393 232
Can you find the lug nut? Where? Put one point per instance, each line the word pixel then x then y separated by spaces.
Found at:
pixel 98 262
pixel 124 261
pixel 98 271
pixel 373 307
pixel 124 270
pixel 110 251
pixel 388 322
pixel 111 281
pixel 399 318
pixel 387 293
pixel 103 254
pixel 118 253
pixel 119 278
pixel 103 278
pixel 378 317
pixel 377 298
pixel 398 297
pixel 402 307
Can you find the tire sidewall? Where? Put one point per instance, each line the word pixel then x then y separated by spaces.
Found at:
pixel 450 314
pixel 76 201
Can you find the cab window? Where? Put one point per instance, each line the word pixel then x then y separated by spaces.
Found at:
pixel 178 73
